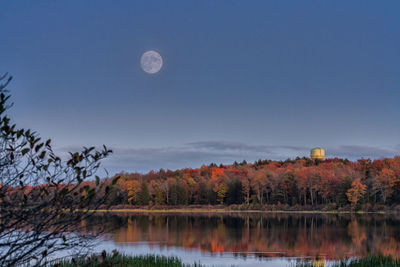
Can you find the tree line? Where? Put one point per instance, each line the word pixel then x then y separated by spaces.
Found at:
pixel 302 181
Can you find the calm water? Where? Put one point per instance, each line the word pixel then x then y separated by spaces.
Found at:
pixel 246 239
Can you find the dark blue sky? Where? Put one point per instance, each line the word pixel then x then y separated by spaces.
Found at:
pixel 241 79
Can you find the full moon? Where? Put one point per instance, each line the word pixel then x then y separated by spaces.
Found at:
pixel 151 62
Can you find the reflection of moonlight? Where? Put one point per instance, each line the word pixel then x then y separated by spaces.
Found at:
pixel 151 62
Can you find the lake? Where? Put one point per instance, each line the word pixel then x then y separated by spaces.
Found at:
pixel 250 239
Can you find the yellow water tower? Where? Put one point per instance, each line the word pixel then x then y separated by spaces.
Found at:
pixel 318 153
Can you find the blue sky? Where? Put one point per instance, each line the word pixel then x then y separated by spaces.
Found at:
pixel 241 79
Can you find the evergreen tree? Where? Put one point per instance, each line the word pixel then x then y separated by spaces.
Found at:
pixel 234 194
pixel 143 195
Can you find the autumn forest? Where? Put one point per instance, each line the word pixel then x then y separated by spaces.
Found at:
pixel 299 184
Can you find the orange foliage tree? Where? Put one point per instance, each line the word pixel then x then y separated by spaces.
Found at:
pixel 356 192
pixel 385 183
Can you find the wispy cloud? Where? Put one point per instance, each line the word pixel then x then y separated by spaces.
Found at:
pixel 357 151
pixel 195 154
pixel 229 146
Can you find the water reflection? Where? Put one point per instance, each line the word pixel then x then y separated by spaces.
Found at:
pixel 323 236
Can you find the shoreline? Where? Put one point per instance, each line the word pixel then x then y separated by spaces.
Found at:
pixel 208 210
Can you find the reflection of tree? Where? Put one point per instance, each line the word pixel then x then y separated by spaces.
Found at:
pixel 319 263
pixel 331 237
pixel 357 233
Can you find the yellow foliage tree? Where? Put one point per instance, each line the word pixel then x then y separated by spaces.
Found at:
pixel 221 192
pixel 133 187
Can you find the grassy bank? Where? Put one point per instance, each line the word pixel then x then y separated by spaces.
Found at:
pixel 161 261
pixel 119 260
pixel 370 261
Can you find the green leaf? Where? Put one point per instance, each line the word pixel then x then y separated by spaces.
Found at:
pixel 24 151
pixel 38 147
pixel 48 142
pixel 115 180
